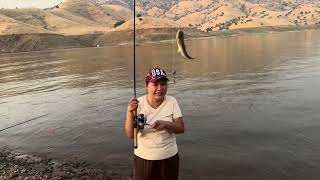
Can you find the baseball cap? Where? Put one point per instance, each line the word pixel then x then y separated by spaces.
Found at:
pixel 156 74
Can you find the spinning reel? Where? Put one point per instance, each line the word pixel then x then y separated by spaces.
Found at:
pixel 138 124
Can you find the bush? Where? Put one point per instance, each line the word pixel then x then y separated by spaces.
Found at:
pixel 119 23
pixel 209 30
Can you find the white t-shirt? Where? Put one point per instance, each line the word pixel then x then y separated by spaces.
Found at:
pixel 154 144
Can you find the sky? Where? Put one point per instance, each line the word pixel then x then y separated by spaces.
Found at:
pixel 11 4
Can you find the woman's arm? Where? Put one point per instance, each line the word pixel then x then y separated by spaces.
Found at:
pixel 177 126
pixel 129 124
pixel 132 106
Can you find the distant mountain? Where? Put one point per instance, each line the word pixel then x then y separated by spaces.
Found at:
pixel 72 17
pixel 99 16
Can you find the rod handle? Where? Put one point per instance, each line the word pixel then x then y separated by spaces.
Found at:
pixel 135 139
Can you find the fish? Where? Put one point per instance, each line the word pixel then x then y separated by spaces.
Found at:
pixel 181 45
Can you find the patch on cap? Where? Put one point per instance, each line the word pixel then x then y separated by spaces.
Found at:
pixel 156 74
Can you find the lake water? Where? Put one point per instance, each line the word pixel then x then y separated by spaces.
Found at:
pixel 251 104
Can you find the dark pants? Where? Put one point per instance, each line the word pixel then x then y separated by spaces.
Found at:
pixel 166 169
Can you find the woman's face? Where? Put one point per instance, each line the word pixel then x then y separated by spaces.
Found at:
pixel 157 90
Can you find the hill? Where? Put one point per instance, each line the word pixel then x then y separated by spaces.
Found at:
pixel 83 23
pixel 148 23
pixel 72 17
pixel 76 17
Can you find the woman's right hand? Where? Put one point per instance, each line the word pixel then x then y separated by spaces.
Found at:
pixel 133 104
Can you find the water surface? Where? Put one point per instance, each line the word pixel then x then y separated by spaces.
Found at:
pixel 250 104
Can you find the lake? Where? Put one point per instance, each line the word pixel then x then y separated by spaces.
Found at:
pixel 250 103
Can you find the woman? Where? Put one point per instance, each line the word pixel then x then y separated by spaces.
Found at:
pixel 156 157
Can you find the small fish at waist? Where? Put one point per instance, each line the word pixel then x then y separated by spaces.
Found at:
pixel 181 45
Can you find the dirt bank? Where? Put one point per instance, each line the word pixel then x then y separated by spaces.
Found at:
pixel 40 42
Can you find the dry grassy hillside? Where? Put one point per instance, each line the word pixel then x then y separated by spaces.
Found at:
pixel 74 17
pixel 155 12
pixel 57 22
pixel 76 25
pixel 184 8
pixel 217 19
pixel 118 12
pixel 148 22
pixel 238 14
pixel 304 14
pixel 88 10
pixel 12 26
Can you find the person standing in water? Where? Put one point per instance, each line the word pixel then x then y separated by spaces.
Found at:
pixel 156 157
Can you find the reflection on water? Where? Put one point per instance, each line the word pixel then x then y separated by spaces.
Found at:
pixel 250 104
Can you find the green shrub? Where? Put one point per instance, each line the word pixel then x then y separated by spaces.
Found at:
pixel 118 23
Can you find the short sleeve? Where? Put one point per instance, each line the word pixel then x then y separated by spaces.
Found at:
pixel 176 109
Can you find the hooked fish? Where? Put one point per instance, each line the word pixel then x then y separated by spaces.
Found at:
pixel 181 45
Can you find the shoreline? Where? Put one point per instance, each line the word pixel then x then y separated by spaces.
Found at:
pixel 15 164
pixel 147 36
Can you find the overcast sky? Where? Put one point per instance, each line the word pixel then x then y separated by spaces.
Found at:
pixel 9 4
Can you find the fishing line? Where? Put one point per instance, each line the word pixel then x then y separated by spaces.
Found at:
pixel 23 122
pixel 173 60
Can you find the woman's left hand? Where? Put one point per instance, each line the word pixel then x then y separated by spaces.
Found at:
pixel 160 125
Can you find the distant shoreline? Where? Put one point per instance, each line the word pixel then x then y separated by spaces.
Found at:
pixel 23 43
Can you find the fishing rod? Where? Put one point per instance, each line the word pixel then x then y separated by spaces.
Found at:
pixel 134 49
pixel 139 120
pixel 135 124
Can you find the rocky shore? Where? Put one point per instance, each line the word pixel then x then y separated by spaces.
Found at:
pixel 18 165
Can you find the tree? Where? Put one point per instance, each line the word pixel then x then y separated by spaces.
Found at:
pixel 209 29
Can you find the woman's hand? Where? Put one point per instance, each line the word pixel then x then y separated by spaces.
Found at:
pixel 160 125
pixel 133 104
pixel 177 126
